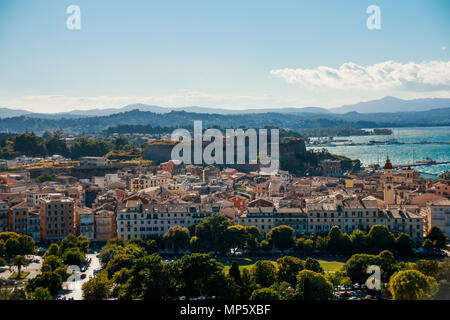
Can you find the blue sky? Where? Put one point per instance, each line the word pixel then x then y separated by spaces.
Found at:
pixel 228 54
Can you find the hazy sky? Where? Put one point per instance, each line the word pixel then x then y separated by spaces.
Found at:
pixel 228 54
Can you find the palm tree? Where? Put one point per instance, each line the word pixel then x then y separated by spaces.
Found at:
pixel 19 262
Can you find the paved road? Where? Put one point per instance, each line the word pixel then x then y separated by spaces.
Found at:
pixel 33 268
pixel 73 289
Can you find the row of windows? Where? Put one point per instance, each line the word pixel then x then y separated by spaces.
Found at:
pixel 144 229
pixel 62 225
pixel 49 207
pixel 155 222
pixel 49 213
pixel 62 219
pixel 156 216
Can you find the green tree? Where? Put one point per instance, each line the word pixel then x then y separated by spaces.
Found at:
pixel 194 274
pixel 2 248
pixel 196 246
pixel 388 265
pixel 281 237
pixel 264 273
pixel 177 237
pixel 313 286
pixel 53 262
pixel 313 265
pixel 429 245
pixel 235 273
pixel 334 240
pixel 137 241
pixel 97 288
pixel 404 244
pixel 19 262
pixel 380 238
pixel 109 251
pixel 41 294
pixel 119 262
pixel 321 243
pixel 52 250
pixel 236 237
pixel 248 284
pixel 288 268
pixel 356 266
pixel 435 234
pixel 151 246
pixel 72 241
pixel 412 285
pixel 122 276
pixel 359 241
pixel 305 245
pixel 12 247
pixel 211 232
pixel 428 267
pixel 253 236
pixel 27 245
pixel 50 280
pixel 265 294
pixel 73 256
pixel 338 278
pixel 150 279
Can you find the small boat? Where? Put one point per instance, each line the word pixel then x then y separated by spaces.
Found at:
pixel 428 160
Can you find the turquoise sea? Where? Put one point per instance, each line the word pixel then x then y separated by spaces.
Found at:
pixel 401 153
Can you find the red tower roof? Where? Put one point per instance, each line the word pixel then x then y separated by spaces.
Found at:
pixel 388 164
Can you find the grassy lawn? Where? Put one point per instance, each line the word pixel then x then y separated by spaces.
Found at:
pixel 23 275
pixel 331 265
pixel 246 263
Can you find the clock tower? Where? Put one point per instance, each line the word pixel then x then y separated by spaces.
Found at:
pixel 389 193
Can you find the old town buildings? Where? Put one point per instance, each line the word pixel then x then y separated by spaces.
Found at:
pixel 146 201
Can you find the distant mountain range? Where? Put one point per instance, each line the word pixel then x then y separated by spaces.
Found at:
pixel 8 113
pixel 391 104
pixel 384 105
pixel 183 119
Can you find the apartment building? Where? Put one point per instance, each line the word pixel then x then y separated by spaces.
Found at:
pixel 3 216
pixel 266 218
pixel 403 221
pixel 24 220
pixel 437 214
pixel 104 225
pixel 442 189
pixel 57 218
pixel 138 220
pixel 85 222
pixel 348 215
pixel 34 197
pixel 322 216
pixel 144 182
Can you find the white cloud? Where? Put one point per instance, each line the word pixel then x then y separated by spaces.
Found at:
pixel 424 76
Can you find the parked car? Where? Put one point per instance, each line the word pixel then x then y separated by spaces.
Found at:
pixel 83 276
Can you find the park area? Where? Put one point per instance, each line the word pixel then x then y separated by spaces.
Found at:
pixel 328 265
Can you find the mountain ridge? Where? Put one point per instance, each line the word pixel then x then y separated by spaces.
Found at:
pixel 387 104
